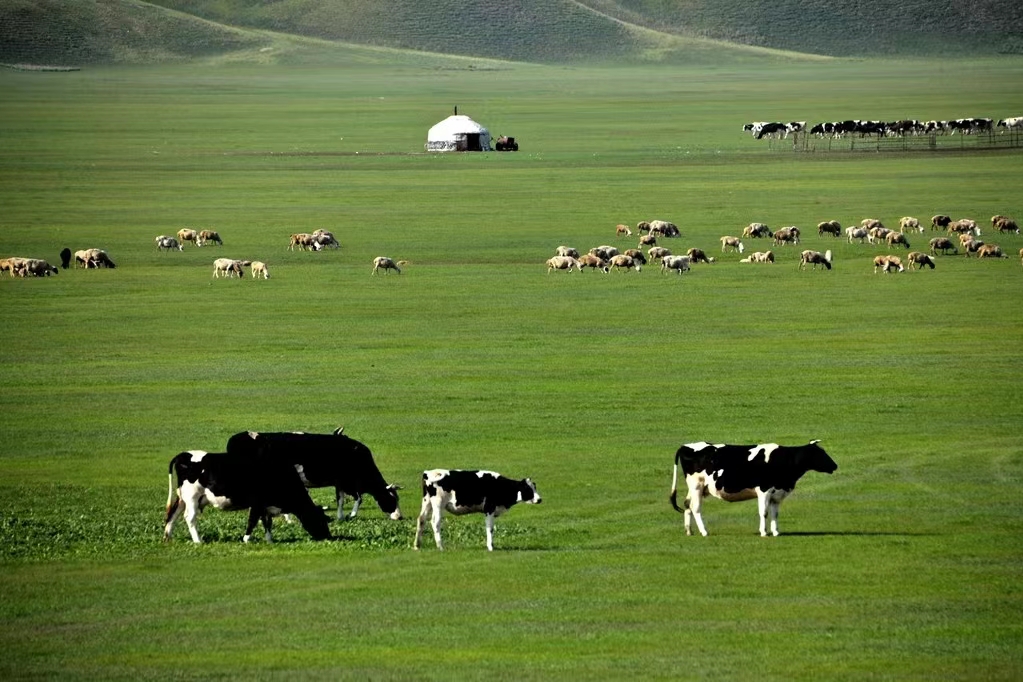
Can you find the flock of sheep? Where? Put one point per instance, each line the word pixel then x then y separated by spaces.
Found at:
pixel 226 267
pixel 607 258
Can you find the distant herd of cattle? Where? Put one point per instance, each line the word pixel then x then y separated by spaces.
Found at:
pixel 837 129
pixel 226 267
pixel 871 230
pixel 269 474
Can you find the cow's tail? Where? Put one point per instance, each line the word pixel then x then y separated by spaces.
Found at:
pixel 172 490
pixel 674 485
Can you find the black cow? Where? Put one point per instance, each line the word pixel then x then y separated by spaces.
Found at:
pixel 741 472
pixel 233 482
pixel 466 492
pixel 324 460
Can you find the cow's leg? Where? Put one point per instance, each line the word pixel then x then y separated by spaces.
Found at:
pixel 267 523
pixel 490 532
pixel 420 522
pixel 340 496
pixel 355 505
pixel 694 505
pixel 763 501
pixel 191 512
pixel 772 509
pixel 438 513
pixel 172 515
pixel 254 515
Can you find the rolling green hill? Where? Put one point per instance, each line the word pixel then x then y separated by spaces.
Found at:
pixel 550 31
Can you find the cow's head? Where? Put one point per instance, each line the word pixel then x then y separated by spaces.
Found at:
pixel 815 459
pixel 388 502
pixel 528 494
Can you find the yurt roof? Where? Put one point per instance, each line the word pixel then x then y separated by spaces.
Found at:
pixel 454 125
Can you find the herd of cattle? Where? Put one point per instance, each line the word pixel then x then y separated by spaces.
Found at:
pixel 270 474
pixel 870 230
pixel 837 129
pixel 222 267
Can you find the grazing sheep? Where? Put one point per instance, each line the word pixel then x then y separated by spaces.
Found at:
pixel 324 238
pixel 642 227
pixel 964 225
pixel 942 244
pixel 96 258
pixel 622 261
pixel 888 263
pixel 605 252
pixel 7 265
pixel 1006 225
pixel 696 255
pixel 566 251
pixel 678 263
pixel 990 251
pixel 623 230
pixel 259 268
pixel 971 246
pixel 168 243
pixel 757 230
pixel 854 232
pixel 188 235
pixel 919 259
pixel 832 227
pixel 648 240
pixel 636 255
pixel 664 229
pixel 869 223
pixel 589 260
pixel 563 263
pixel 786 235
pixel 206 236
pixel 303 241
pixel 941 222
pixel 894 238
pixel 65 258
pixel 37 268
pixel 386 264
pixel 230 267
pixel 759 257
pixel 656 253
pixel 731 243
pixel 815 258
pixel 909 223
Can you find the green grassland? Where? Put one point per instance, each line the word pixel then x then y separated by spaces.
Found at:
pixel 905 564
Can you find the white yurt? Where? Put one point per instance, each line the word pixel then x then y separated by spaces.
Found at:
pixel 458 134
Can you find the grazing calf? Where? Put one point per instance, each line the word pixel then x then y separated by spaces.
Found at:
pixel 919 259
pixel 623 230
pixel 589 260
pixel 65 258
pixel 467 492
pixel 732 243
pixel 894 238
pixel 679 263
pixel 259 268
pixel 163 242
pixel 324 460
pixel 942 244
pixel 567 251
pixel 231 482
pixel 563 263
pixel 909 223
pixel 815 258
pixel 386 264
pixel 832 227
pixel 888 263
pixel 735 473
pixel 940 222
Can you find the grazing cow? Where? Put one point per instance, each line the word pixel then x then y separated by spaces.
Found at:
pixel 731 243
pixel 909 223
pixel 888 263
pixel 733 473
pixel 940 222
pixel 679 263
pixel 1012 123
pixel 832 227
pixel 623 230
pixel 259 268
pixel 386 264
pixel 894 238
pixel 698 256
pixel 467 492
pixel 206 236
pixel 759 257
pixel 168 243
pixel 589 260
pixel 656 253
pixel 778 130
pixel 229 267
pixel 65 258
pixel 786 235
pixel 854 232
pixel 563 263
pixel 567 251
pixel 325 460
pixel 228 481
pixel 756 231
pixel 621 261
pixel 942 244
pixel 919 259
pixel 636 255
pixel 985 251
pixel 188 235
pixel 815 258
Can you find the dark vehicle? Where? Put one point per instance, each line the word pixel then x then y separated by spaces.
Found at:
pixel 506 144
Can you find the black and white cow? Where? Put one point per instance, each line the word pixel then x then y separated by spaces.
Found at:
pixel 467 492
pixel 232 482
pixel 323 460
pixel 741 472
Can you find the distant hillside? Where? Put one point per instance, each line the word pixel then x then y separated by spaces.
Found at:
pixel 75 32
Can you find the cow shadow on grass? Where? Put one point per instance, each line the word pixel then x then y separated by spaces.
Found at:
pixel 856 533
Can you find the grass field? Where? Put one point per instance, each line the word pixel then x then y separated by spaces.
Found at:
pixel 905 564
